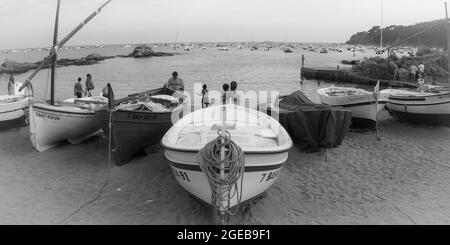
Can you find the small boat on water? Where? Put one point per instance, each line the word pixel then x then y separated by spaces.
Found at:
pixel 431 107
pixel 139 121
pixel 223 49
pixel 263 140
pixel 361 102
pixel 52 122
pixel 14 108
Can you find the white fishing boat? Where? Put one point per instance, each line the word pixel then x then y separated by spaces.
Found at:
pixel 52 122
pixel 431 107
pixel 14 108
pixel 70 120
pixel 263 140
pixel 223 49
pixel 361 102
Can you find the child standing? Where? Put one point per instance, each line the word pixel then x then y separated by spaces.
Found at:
pixel 226 96
pixel 205 98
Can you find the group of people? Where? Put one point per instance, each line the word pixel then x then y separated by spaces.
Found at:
pixel 416 72
pixel 229 94
pixel 78 90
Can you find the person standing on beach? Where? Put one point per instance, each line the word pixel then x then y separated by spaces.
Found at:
pixel 226 95
pixel 78 89
pixel 205 96
pixel 11 88
pixel 421 71
pixel 89 85
pixel 175 83
pixel 234 93
pixel 412 73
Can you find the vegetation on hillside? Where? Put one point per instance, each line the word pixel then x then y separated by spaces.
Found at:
pixel 435 62
pixel 434 37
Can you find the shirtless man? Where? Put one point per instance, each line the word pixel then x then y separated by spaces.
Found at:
pixel 78 89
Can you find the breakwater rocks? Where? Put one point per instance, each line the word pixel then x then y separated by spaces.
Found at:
pixel 347 76
pixel 142 51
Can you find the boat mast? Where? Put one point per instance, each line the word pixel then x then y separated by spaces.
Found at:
pixel 54 58
pixel 381 26
pixel 448 40
pixel 59 45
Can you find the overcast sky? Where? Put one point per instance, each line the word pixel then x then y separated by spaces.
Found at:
pixel 29 23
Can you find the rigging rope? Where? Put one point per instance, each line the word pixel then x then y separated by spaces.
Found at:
pixel 223 188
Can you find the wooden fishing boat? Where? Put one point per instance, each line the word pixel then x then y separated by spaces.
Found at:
pixel 75 122
pixel 362 103
pixel 429 108
pixel 53 122
pixel 14 108
pixel 263 140
pixel 135 127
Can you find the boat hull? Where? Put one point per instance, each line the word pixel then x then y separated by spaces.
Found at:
pixel 261 171
pixel 13 113
pixel 52 125
pixel 264 142
pixel 363 109
pixel 427 110
pixel 134 131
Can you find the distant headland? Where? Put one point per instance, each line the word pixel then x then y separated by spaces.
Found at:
pixel 433 38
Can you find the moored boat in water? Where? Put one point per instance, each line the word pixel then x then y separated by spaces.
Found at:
pixel 139 121
pixel 262 139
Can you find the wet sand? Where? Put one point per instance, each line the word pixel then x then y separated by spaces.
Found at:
pixel 403 179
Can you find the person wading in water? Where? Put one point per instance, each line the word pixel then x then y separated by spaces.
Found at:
pixel 78 89
pixel 89 85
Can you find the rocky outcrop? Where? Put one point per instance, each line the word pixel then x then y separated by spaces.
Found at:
pixel 13 67
pixel 143 51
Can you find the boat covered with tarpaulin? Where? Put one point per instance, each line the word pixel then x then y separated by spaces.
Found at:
pixel 311 126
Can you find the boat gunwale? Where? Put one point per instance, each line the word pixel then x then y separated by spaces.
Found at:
pixel 278 149
pixel 134 96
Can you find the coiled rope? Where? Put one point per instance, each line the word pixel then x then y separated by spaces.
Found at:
pixel 223 163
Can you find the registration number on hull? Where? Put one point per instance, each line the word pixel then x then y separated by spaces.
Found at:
pixel 47 116
pixel 265 177
pixel 142 117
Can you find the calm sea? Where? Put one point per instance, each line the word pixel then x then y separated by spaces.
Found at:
pixel 257 70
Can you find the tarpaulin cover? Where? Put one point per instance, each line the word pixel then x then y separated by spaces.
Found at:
pixel 312 126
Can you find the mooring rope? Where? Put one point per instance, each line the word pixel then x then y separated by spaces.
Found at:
pixel 223 188
pixel 108 173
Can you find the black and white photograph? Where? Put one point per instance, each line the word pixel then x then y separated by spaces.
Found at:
pixel 224 112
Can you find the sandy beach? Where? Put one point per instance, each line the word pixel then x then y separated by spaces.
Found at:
pixel 402 179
